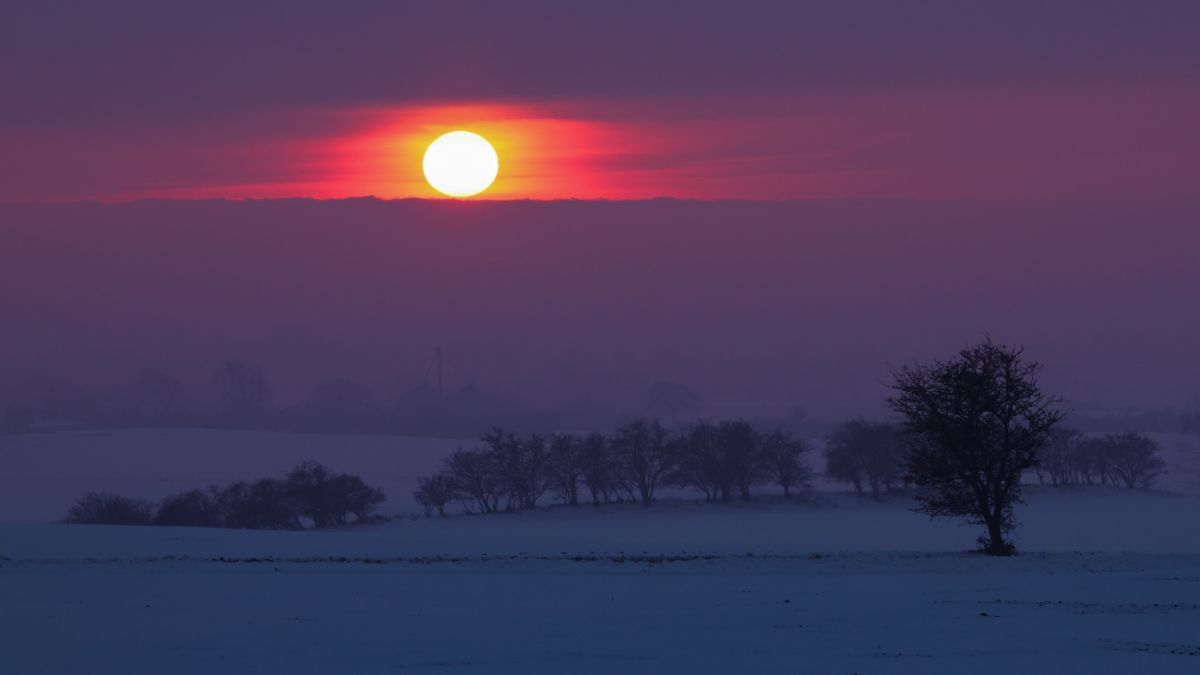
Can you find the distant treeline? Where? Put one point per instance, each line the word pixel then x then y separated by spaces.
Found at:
pixel 722 461
pixel 1127 460
pixel 728 460
pixel 241 396
pixel 310 495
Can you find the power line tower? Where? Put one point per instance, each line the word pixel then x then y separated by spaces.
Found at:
pixel 437 367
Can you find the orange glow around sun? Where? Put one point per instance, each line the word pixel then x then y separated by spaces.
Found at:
pixel 542 156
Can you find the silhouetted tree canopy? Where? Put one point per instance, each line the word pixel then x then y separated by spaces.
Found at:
pixel 643 456
pixel 1127 460
pixel 868 455
pixel 783 455
pixel 974 425
pixel 310 492
pixel 103 508
pixel 193 508
pixel 631 464
pixel 434 492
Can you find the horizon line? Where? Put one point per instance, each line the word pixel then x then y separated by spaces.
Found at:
pixel 604 200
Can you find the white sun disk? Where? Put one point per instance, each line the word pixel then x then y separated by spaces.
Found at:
pixel 460 164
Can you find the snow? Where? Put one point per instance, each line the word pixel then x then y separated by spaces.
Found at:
pixel 1108 582
pixel 866 613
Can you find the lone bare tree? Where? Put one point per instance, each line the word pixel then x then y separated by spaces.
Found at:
pixel 974 425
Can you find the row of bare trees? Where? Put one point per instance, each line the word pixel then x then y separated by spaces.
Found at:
pixel 721 460
pixel 872 457
pixel 310 494
pixel 1127 460
pixel 868 455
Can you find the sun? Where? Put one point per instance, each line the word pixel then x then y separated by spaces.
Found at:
pixel 460 164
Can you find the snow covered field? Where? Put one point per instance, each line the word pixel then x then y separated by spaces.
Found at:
pixel 1108 582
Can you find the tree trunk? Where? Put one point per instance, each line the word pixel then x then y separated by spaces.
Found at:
pixel 996 543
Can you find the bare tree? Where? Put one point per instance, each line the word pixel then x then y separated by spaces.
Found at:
pixel 566 467
pixel 434 492
pixel 193 508
pixel 865 454
pixel 597 468
pixel 475 476
pixel 265 504
pixel 102 508
pixel 743 463
pixel 721 460
pixel 974 425
pixel 784 454
pixel 698 463
pixel 644 455
pixel 1063 461
pixel 328 498
pixel 521 465
pixel 1131 460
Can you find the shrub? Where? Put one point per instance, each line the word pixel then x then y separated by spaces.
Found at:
pixel 102 508
pixel 330 499
pixel 265 504
pixel 193 508
pixel 434 492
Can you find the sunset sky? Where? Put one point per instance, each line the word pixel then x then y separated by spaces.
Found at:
pixel 901 177
pixel 615 100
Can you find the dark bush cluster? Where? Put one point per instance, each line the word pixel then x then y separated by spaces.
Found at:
pixel 632 464
pixel 102 508
pixel 310 494
pixel 1126 460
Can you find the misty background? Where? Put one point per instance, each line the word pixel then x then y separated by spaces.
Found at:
pixel 576 314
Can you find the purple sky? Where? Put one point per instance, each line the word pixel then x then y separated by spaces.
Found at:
pixel 915 174
pixel 617 99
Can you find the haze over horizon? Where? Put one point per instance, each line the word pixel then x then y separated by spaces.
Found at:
pixel 762 307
